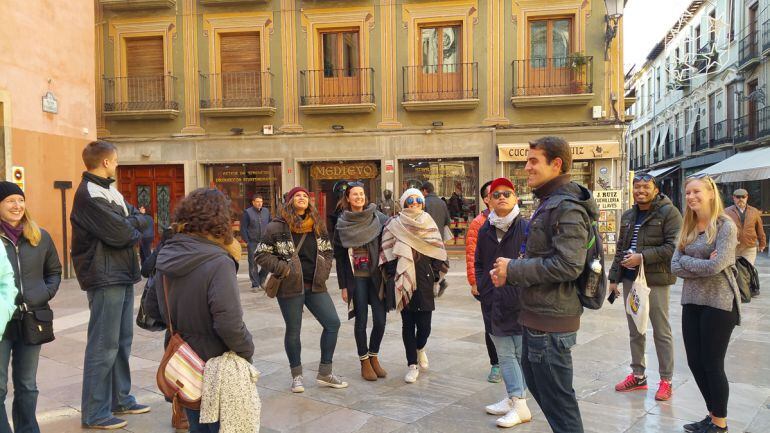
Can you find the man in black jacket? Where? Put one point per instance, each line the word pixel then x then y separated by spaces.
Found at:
pixel 648 231
pixel 253 224
pixel 554 258
pixel 104 232
pixel 436 208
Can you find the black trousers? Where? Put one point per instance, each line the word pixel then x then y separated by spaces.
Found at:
pixel 491 350
pixel 415 332
pixel 364 295
pixel 706 332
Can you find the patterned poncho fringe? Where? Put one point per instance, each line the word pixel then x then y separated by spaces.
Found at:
pixel 410 230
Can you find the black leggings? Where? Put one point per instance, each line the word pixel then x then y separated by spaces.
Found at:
pixel 706 333
pixel 491 351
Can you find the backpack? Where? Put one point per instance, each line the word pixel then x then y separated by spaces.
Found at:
pixel 747 278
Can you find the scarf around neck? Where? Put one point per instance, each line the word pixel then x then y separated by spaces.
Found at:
pixel 503 223
pixel 13 233
pixel 359 228
pixel 411 230
pixel 305 225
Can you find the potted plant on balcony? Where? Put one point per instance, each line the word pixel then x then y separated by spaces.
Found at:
pixel 577 64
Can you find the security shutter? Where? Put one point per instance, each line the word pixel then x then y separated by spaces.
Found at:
pixel 241 68
pixel 145 80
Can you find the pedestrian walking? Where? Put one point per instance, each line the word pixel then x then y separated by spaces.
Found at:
pixel 502 235
pixel 253 225
pixel 36 274
pixel 471 239
pixel 414 260
pixel 148 235
pixel 705 259
pixel 648 233
pixel 104 232
pixel 357 240
pixel 748 219
pixel 197 269
pixel 437 209
pixel 296 249
pixel 554 258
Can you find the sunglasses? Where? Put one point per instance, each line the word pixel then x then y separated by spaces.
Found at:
pixel 644 177
pixel 739 196
pixel 498 194
pixel 412 200
pixel 355 184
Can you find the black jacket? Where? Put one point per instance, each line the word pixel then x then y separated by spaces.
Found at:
pixel 656 241
pixel 501 304
pixel 555 257
pixel 438 210
pixel 427 271
pixel 203 296
pixel 104 233
pixel 36 271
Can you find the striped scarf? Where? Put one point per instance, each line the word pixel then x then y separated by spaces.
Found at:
pixel 412 229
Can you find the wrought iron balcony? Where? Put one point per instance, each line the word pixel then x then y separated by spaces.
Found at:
pixel 237 93
pixel 446 86
pixel 679 147
pixel 706 59
pixel 337 90
pixel 721 133
pixel 151 96
pixel 748 50
pixel 137 4
pixel 701 139
pixel 752 126
pixel 572 75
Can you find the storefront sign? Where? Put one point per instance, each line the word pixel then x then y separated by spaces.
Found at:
pixel 333 170
pixel 238 175
pixel 580 150
pixel 609 199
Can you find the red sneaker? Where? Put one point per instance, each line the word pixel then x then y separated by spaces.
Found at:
pixel 631 383
pixel 664 391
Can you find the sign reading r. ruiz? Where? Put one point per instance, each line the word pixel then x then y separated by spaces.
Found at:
pixel 341 170
pixel 609 199
pixel 580 150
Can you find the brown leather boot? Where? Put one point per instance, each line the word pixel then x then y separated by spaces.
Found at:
pixel 179 418
pixel 378 370
pixel 366 370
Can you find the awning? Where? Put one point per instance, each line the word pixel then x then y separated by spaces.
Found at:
pixel 741 167
pixel 660 173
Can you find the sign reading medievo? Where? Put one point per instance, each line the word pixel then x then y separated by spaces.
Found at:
pixel 581 150
pixel 609 199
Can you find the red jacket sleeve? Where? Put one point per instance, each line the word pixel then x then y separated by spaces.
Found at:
pixel 470 247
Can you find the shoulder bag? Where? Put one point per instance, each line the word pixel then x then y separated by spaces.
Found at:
pixel 273 281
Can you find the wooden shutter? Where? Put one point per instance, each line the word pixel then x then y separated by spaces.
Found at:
pixel 144 56
pixel 239 52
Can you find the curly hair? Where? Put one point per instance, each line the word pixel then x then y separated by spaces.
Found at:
pixel 289 214
pixel 204 211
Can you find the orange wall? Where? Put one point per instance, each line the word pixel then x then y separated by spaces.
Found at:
pixel 47 45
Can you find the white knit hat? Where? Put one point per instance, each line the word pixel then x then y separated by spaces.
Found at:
pixel 408 193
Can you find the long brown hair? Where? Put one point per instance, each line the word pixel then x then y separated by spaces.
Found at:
pixel 690 224
pixel 205 211
pixel 294 220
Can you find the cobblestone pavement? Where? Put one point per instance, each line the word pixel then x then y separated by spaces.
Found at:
pixel 448 398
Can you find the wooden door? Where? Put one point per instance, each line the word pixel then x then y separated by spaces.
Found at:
pixel 441 68
pixel 752 110
pixel 549 70
pixel 144 82
pixel 340 81
pixel 156 187
pixel 239 80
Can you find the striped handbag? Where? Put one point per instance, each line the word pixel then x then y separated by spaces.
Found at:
pixel 180 373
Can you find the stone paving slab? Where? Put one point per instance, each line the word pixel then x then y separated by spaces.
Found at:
pixel 450 397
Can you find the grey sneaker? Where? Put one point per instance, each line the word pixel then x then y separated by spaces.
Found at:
pixel 297 385
pixel 331 381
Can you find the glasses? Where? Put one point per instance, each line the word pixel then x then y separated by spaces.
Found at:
pixel 498 194
pixel 355 183
pixel 644 177
pixel 739 196
pixel 412 200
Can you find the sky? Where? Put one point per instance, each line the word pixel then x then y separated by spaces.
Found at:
pixel 645 22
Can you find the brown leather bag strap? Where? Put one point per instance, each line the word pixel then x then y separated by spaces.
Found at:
pixel 164 282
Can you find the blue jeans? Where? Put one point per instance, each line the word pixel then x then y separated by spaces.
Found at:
pixel 257 274
pixel 193 418
pixel 509 353
pixel 322 307
pixel 547 365
pixel 106 374
pixel 24 358
pixel 366 294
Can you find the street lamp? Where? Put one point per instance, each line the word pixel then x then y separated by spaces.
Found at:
pixel 614 13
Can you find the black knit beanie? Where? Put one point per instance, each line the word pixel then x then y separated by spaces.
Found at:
pixel 9 188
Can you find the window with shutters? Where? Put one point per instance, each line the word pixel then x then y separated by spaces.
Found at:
pixel 145 79
pixel 240 76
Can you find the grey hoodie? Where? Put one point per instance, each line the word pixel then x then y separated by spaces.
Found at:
pixel 555 257
pixel 203 295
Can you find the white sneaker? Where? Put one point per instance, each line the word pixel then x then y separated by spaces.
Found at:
pixel 520 405
pixel 297 385
pixel 500 408
pixel 411 374
pixel 510 419
pixel 422 359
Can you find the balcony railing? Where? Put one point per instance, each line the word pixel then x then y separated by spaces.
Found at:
pixel 706 59
pixel 721 133
pixel 748 49
pixel 141 93
pixel 336 86
pixel 679 147
pixel 572 75
pixel 752 126
pixel 450 81
pixel 766 35
pixel 236 90
pixel 701 139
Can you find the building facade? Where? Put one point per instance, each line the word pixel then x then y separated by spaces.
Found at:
pixel 700 99
pixel 47 109
pixel 259 96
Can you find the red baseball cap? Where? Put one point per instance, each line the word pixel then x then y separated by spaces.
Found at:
pixel 501 181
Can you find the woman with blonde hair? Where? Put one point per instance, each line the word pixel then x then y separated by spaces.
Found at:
pixel 37 274
pixel 705 260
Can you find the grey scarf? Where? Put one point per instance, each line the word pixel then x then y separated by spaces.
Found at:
pixel 357 229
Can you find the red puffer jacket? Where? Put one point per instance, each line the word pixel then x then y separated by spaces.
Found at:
pixel 470 245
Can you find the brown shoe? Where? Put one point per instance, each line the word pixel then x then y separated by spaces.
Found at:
pixel 381 373
pixel 179 418
pixel 366 370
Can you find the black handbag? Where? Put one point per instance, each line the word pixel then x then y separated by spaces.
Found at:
pixel 143 320
pixel 36 325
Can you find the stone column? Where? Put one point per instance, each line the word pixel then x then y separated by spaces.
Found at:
pixel 495 67
pixel 289 67
pixel 191 78
pixel 388 65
